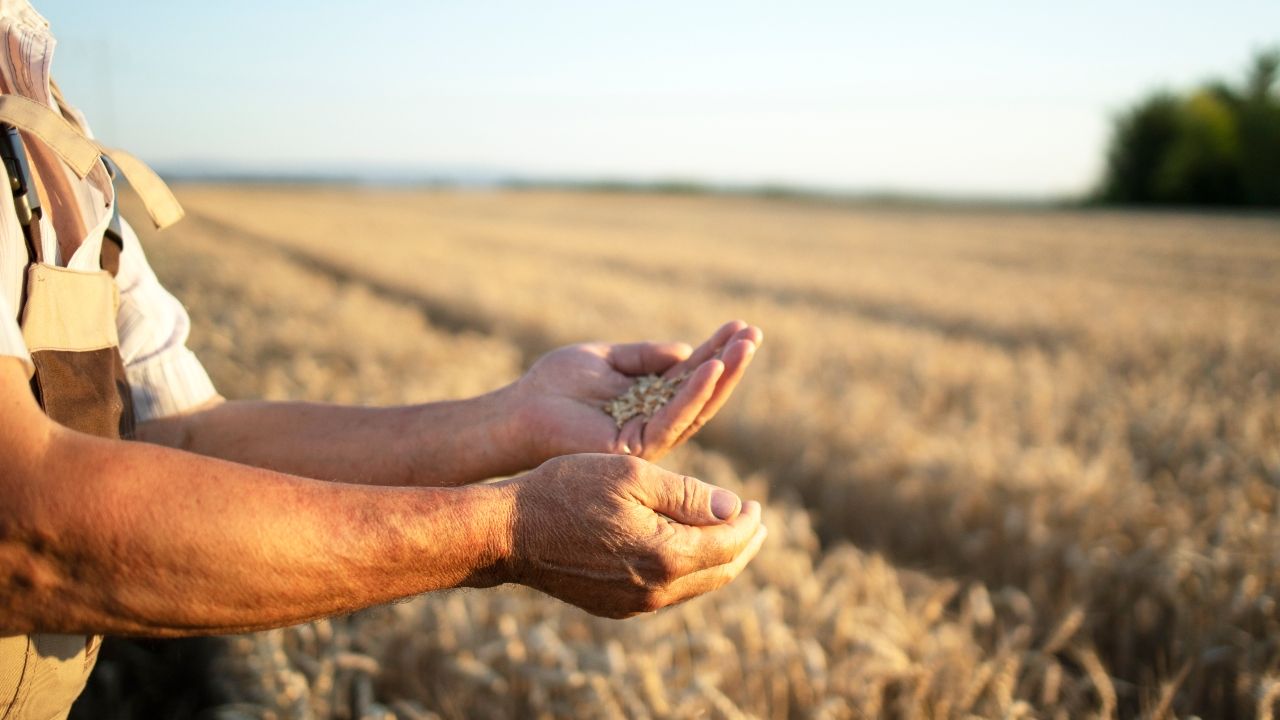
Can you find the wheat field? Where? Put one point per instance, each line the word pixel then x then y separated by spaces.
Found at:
pixel 1016 463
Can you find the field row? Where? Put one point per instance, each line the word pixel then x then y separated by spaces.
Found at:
pixel 1079 409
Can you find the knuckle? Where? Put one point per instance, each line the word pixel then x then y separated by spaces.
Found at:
pixel 628 465
pixel 563 464
pixel 722 553
pixel 726 575
pixel 668 567
pixel 651 601
pixel 620 469
pixel 694 495
pixel 716 580
pixel 656 571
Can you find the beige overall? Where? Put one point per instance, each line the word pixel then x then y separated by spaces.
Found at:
pixel 68 320
pixel 69 323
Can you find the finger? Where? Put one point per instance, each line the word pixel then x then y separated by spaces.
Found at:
pixel 714 578
pixel 646 357
pixel 686 500
pixel 708 546
pixel 630 437
pixel 666 426
pixel 708 349
pixel 737 356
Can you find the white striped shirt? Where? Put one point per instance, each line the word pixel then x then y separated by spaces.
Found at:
pixel 166 377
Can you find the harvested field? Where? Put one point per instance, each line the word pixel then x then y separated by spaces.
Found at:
pixel 1017 463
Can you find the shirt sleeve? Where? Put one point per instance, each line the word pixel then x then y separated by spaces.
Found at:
pixel 165 376
pixel 11 342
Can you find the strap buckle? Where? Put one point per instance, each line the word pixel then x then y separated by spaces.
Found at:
pixel 115 229
pixel 26 201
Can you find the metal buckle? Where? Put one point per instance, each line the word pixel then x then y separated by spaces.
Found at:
pixel 26 201
pixel 115 230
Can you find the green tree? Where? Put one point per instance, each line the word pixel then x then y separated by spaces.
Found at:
pixel 1218 145
pixel 1143 138
pixel 1259 130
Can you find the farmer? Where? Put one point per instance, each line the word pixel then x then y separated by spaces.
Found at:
pixel 134 500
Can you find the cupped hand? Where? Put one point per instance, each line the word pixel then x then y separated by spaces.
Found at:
pixel 561 398
pixel 617 536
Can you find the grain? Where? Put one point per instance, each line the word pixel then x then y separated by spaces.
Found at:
pixel 1071 419
pixel 645 397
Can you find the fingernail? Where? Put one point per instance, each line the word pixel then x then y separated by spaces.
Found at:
pixel 723 504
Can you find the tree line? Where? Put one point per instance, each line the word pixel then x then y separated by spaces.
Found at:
pixel 1216 145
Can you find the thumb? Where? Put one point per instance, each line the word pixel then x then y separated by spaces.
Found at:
pixel 687 500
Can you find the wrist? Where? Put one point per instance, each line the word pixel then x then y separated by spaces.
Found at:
pixel 463 441
pixel 518 428
pixel 493 512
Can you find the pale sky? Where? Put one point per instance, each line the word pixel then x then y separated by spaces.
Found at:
pixel 972 98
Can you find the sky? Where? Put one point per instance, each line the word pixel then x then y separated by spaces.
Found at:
pixel 957 99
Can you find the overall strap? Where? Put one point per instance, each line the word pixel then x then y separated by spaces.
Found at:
pixel 81 153
pixel 77 151
pixel 156 197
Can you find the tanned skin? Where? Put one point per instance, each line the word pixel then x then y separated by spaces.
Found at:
pixel 113 537
pixel 554 410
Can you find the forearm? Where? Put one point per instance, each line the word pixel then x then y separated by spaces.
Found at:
pixel 441 444
pixel 125 538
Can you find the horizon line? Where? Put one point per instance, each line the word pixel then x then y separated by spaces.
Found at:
pixel 480 179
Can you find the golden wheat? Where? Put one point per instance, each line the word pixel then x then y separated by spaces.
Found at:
pixel 1066 423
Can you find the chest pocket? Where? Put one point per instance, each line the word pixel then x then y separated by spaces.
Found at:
pixel 69 325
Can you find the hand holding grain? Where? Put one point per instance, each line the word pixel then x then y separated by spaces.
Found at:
pixel 617 536
pixel 565 396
